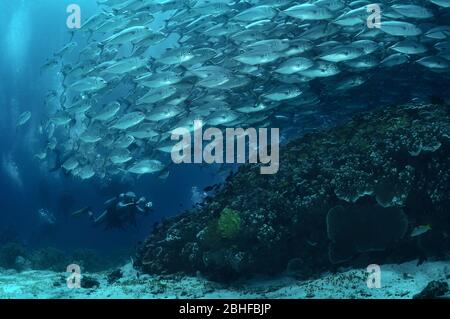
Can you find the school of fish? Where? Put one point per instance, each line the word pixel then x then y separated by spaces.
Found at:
pixel 231 63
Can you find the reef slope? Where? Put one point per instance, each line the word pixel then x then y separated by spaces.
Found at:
pixel 350 196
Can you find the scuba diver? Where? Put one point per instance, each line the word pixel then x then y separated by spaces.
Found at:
pixel 120 211
pixel 46 225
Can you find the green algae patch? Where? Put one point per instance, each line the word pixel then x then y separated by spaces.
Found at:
pixel 229 223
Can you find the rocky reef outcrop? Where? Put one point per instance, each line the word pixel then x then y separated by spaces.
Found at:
pixel 353 195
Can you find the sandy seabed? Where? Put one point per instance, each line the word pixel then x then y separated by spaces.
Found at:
pixel 400 281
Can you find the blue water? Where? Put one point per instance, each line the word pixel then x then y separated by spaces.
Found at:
pixel 31 32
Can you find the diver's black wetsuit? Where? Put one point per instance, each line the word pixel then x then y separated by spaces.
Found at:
pixel 122 211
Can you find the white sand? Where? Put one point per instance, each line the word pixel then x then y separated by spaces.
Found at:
pixel 397 281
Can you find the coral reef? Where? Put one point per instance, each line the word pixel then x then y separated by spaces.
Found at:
pixel 13 256
pixel 89 260
pixel 49 259
pixel 88 282
pixel 385 173
pixel 363 228
pixel 434 289
pixel 114 276
pixel 229 223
